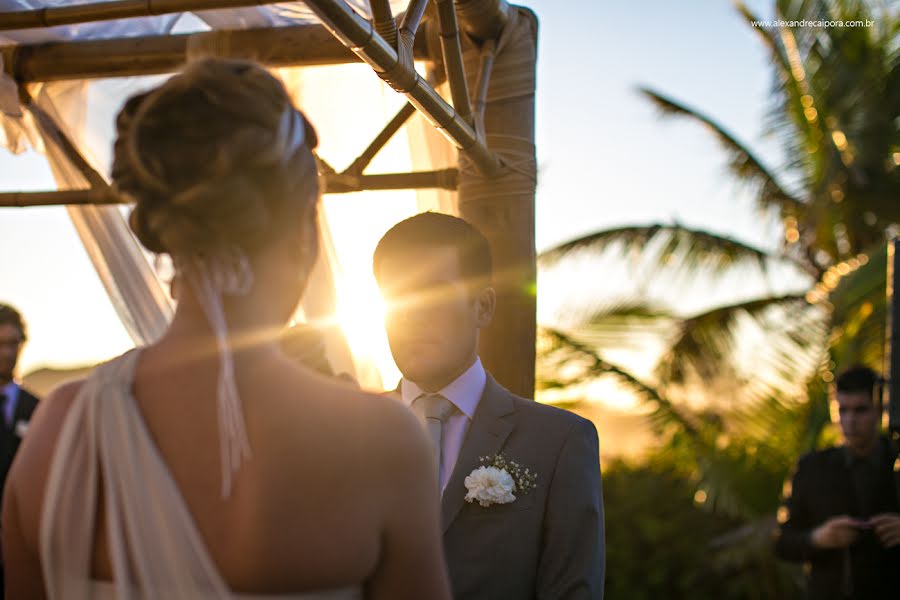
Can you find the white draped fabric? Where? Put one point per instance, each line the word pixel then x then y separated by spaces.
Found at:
pixel 348 104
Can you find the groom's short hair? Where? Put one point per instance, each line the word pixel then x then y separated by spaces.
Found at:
pixel 435 230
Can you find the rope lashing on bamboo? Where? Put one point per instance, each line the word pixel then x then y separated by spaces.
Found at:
pixel 517 173
pixel 402 77
pixel 491 15
pixel 512 78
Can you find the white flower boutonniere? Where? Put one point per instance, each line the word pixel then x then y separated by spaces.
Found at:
pixel 21 428
pixel 496 482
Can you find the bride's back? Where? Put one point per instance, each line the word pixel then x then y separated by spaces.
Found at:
pixel 208 458
pixel 307 509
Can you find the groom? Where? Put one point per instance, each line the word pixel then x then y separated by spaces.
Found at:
pixel 521 497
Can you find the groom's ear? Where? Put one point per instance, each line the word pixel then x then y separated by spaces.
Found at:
pixel 485 304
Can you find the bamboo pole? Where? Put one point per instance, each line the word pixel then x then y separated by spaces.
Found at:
pixel 482 83
pixel 451 48
pixel 342 183
pixel 412 17
pixel 363 160
pixel 334 183
pixel 383 20
pixel 358 34
pixel 58 198
pixel 53 16
pixel 502 207
pixel 298 45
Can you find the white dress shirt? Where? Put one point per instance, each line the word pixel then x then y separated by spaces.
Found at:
pixel 11 392
pixel 465 393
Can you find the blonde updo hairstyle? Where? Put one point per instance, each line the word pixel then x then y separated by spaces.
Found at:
pixel 217 160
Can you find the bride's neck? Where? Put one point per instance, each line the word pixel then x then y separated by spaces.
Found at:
pixel 250 329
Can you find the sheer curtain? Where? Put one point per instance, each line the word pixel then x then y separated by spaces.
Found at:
pixel 348 105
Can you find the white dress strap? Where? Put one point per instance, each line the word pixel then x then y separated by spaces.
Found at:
pixel 155 548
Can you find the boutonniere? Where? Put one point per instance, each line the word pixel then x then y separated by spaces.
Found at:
pixel 497 479
pixel 21 428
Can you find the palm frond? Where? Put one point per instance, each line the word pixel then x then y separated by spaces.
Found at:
pixel 705 345
pixel 595 366
pixel 742 162
pixel 832 114
pixel 669 243
pixel 619 323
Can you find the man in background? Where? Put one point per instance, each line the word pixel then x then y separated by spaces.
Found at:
pixel 842 514
pixel 16 403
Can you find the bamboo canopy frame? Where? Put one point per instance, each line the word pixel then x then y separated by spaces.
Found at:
pixel 484 49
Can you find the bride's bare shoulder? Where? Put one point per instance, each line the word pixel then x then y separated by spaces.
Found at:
pixel 47 420
pixel 28 474
pixel 387 427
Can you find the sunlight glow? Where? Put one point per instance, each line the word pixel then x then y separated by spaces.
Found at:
pixel 360 315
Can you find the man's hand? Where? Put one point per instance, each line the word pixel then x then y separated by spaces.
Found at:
pixel 887 528
pixel 836 532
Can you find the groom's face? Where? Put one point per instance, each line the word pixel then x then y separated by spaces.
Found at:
pixel 432 317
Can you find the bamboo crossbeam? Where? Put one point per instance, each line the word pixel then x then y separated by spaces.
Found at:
pixel 58 198
pixel 53 16
pixel 299 45
pixel 333 184
pixel 343 183
pixel 358 34
pixel 451 47
pixel 402 116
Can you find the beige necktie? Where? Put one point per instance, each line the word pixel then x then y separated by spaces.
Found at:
pixel 433 410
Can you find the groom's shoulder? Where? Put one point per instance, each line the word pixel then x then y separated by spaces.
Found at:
pixel 541 415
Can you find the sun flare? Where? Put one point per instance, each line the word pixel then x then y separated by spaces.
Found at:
pixel 360 315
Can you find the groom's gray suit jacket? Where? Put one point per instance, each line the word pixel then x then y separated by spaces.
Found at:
pixel 548 543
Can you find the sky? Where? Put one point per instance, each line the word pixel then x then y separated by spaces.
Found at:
pixel 605 157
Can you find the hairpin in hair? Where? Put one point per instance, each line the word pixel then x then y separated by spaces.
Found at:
pixel 291 131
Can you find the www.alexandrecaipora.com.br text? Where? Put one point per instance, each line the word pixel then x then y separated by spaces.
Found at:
pixel 820 23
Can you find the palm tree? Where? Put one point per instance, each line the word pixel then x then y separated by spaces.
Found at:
pixel 836 113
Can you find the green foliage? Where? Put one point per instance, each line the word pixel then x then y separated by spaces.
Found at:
pixel 662 543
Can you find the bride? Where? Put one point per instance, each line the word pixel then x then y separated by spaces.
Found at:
pixel 208 465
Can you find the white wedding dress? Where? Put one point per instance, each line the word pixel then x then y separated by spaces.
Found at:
pixel 154 546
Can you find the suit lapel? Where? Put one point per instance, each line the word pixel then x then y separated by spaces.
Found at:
pixel 24 408
pixel 493 422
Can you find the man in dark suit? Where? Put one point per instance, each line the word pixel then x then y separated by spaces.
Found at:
pixel 521 500
pixel 842 514
pixel 16 403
